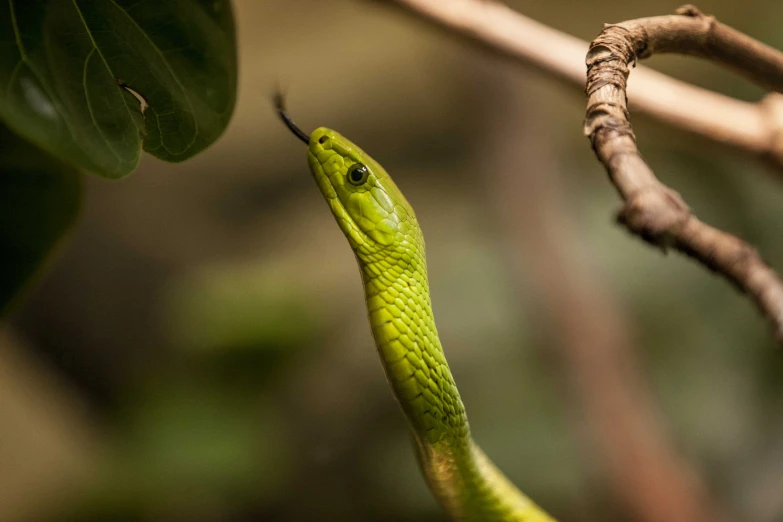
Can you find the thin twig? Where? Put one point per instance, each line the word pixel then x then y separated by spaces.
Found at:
pixel 755 128
pixel 652 210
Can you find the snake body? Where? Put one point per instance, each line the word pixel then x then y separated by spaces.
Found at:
pixel 384 234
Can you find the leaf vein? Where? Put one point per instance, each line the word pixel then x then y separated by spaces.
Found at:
pixel 15 25
pixel 92 113
pixel 105 62
pixel 173 75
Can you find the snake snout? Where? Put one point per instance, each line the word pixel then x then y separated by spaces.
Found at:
pixel 321 136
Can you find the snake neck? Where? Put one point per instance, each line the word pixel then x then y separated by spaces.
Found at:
pixel 383 232
pixel 400 313
pixel 463 479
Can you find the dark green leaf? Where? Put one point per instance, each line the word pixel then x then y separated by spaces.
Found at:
pixel 73 72
pixel 39 200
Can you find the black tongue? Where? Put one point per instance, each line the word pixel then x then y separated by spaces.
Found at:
pixel 280 106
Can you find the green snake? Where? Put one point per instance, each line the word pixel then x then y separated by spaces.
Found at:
pixel 383 232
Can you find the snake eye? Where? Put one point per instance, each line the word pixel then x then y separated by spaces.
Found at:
pixel 358 174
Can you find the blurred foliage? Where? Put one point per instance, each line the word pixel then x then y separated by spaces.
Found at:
pixel 39 201
pixel 94 82
pixel 189 452
pixel 211 315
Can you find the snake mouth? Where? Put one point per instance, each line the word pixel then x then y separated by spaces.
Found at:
pixel 293 127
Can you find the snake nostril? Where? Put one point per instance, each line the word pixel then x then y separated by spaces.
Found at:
pixel 323 139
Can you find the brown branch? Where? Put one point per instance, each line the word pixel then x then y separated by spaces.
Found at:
pixel 755 128
pixel 653 211
pixel 593 340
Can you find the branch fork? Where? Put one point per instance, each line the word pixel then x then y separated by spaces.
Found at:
pixel 652 210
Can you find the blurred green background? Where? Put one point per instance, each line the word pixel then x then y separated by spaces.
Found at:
pixel 200 352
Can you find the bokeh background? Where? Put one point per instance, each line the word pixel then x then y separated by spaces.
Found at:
pixel 199 350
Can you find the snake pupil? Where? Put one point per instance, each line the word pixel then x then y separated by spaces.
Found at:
pixel 358 174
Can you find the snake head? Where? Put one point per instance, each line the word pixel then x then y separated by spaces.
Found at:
pixel 370 209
